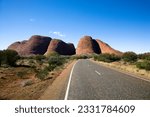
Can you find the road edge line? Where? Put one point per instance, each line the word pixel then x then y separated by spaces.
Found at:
pixel 69 81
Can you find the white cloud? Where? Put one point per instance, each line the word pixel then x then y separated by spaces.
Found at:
pixel 56 33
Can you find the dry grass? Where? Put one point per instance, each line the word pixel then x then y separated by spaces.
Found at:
pixel 11 85
pixel 20 83
pixel 127 68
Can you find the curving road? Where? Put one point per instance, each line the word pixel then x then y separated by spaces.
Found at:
pixel 90 81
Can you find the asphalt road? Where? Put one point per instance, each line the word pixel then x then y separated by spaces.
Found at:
pixel 90 81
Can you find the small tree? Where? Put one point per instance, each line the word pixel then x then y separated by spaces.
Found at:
pixel 9 57
pixel 129 57
pixel 1 54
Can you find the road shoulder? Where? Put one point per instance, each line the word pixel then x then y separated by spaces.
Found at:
pixel 122 71
pixel 56 91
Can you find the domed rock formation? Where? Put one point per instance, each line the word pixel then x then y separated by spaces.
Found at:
pixel 35 45
pixel 87 45
pixel 71 49
pixel 45 46
pixel 60 47
pixel 105 48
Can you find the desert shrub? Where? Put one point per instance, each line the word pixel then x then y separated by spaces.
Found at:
pixel 55 61
pixel 42 74
pixel 9 57
pixel 35 57
pixel 143 65
pixel 76 57
pixel 107 57
pixel 40 57
pixel 129 57
pixel 52 54
pixel 145 56
pixel 21 74
pixel 95 57
pixel 31 61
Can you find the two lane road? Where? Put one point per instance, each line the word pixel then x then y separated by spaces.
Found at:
pixel 90 81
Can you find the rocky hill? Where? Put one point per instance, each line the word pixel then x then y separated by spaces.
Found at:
pixel 105 48
pixel 87 45
pixel 35 45
pixel 43 45
pixel 60 47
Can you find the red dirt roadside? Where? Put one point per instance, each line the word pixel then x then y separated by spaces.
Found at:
pixel 56 91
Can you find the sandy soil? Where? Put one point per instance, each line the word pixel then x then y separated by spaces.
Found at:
pixel 56 91
pixel 14 86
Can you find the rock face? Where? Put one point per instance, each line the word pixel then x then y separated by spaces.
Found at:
pixel 60 47
pixel 87 45
pixel 105 48
pixel 35 45
pixel 42 45
pixel 45 46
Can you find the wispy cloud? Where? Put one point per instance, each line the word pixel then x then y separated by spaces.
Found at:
pixel 31 19
pixel 56 33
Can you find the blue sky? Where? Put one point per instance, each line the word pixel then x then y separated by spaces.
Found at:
pixel 123 24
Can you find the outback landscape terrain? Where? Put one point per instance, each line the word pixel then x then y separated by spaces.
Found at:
pixel 40 67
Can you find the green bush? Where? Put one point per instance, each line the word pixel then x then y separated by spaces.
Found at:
pixel 143 65
pixel 129 57
pixel 76 57
pixel 107 57
pixel 55 61
pixel 42 74
pixel 8 57
pixel 145 56
pixel 40 57
pixel 52 54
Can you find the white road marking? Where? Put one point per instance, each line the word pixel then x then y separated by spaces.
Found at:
pixel 68 86
pixel 126 72
pixel 98 73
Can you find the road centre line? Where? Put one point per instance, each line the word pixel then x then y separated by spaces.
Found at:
pixel 98 73
pixel 69 82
